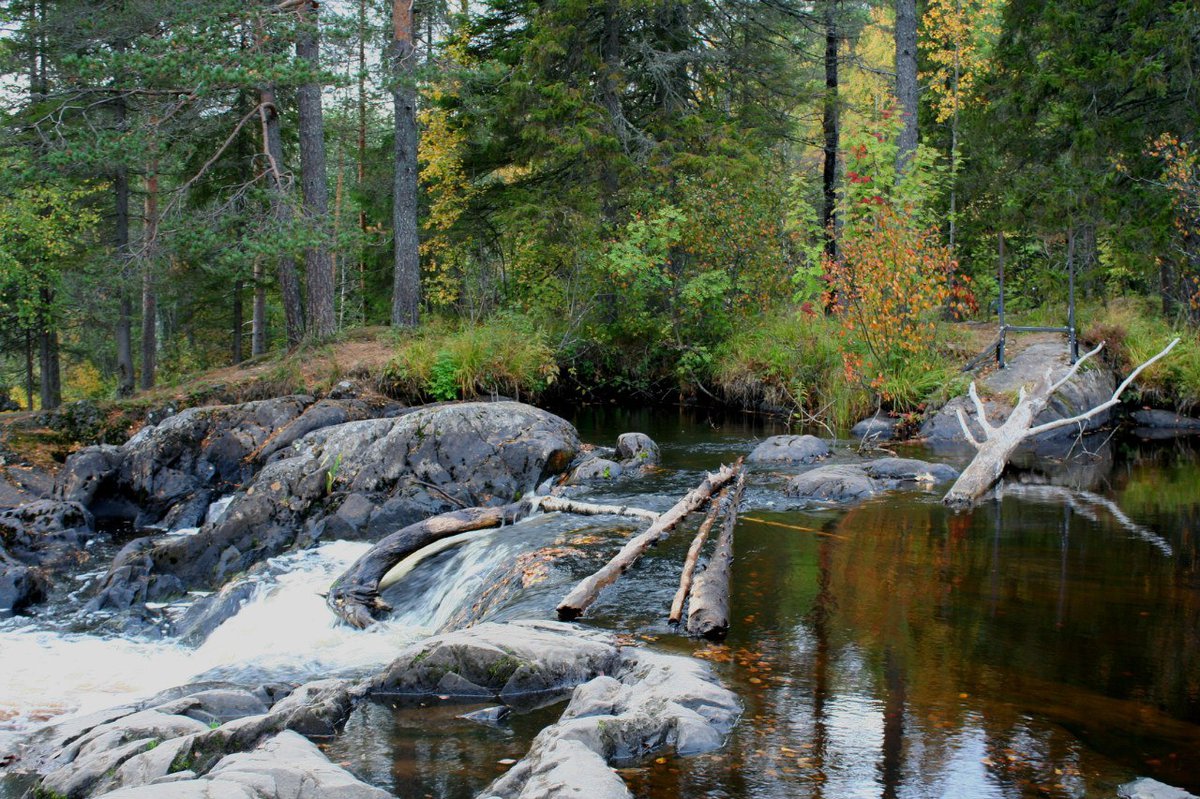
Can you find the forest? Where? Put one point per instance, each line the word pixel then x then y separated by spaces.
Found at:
pixel 770 204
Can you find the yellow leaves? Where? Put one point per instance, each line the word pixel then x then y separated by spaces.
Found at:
pixel 957 39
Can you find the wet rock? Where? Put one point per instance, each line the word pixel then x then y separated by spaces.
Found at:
pixel 908 470
pixel 1164 420
pixel 836 483
pixel 637 450
pixel 409 467
pixel 285 766
pixel 505 660
pixel 20 588
pixel 594 469
pixel 1146 788
pixel 789 450
pixel 654 701
pixel 879 427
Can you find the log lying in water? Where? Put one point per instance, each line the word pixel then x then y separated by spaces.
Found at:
pixel 689 563
pixel 708 615
pixel 999 443
pixel 354 596
pixel 588 589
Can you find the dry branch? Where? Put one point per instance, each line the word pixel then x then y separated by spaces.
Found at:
pixel 588 589
pixel 552 504
pixel 999 443
pixel 708 615
pixel 689 563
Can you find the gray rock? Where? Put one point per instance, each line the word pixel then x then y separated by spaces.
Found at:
pixel 1164 420
pixel 906 470
pixel 1087 389
pixel 44 517
pixel 1146 788
pixel 471 453
pixel 656 701
pixel 879 427
pixel 285 766
pixel 835 483
pixel 594 469
pixel 20 588
pixel 637 450
pixel 789 449
pixel 205 615
pixel 216 706
pixel 506 660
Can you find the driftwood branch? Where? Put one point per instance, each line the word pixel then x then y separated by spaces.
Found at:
pixel 553 504
pixel 999 443
pixel 708 615
pixel 588 589
pixel 689 563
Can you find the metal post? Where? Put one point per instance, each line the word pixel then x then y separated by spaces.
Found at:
pixel 1072 339
pixel 1003 330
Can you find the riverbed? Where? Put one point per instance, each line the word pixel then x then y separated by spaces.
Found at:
pixel 1046 644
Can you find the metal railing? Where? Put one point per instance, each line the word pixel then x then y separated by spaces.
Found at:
pixel 1069 330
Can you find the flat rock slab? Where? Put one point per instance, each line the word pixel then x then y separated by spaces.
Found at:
pixel 523 658
pixel 653 702
pixel 909 470
pixel 789 450
pixel 1146 788
pixel 285 766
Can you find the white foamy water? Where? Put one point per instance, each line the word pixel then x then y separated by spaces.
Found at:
pixel 284 632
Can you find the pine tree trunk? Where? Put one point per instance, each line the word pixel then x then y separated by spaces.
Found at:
pixel 289 281
pixel 406 276
pixel 906 78
pixel 237 322
pixel 149 296
pixel 258 316
pixel 28 371
pixel 125 368
pixel 51 386
pixel 318 262
pixel 830 126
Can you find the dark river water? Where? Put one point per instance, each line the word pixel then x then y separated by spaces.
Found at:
pixel 1046 644
pixel 1040 646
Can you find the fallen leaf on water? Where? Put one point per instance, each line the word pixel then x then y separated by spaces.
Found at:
pixel 508 761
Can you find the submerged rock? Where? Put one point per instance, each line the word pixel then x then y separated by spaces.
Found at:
pixel 1164 420
pixel 903 470
pixel 406 468
pixel 846 483
pixel 789 449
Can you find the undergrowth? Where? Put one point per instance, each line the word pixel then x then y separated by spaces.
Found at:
pixel 506 355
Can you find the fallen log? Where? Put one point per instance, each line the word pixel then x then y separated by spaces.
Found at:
pixel 999 443
pixel 689 563
pixel 708 615
pixel 558 504
pixel 354 596
pixel 588 589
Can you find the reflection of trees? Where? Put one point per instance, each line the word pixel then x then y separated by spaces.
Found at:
pixel 1027 603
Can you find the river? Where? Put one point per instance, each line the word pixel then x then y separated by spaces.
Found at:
pixel 1044 645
